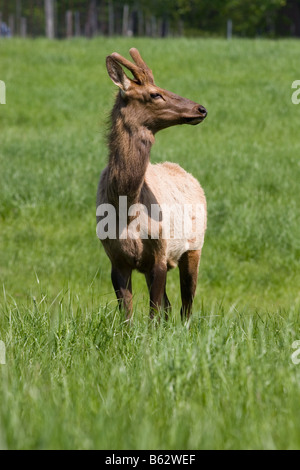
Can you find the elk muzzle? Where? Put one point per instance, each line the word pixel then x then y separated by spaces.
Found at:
pixel 199 114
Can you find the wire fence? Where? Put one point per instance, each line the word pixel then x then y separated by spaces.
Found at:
pixel 153 18
pixel 89 19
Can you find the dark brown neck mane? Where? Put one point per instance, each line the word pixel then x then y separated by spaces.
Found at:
pixel 129 153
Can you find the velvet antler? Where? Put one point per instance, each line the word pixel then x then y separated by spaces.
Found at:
pixel 140 70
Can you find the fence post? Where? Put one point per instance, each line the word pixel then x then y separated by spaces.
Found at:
pixel 140 19
pixel 11 24
pixel 69 23
pixel 153 27
pixel 77 23
pixel 125 20
pixel 111 23
pixel 23 27
pixel 18 17
pixel 165 27
pixel 229 29
pixel 181 27
pixel 91 25
pixel 148 26
pixel 49 13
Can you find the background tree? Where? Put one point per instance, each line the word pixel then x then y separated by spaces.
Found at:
pixel 250 18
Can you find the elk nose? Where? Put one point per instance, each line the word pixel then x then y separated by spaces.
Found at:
pixel 202 110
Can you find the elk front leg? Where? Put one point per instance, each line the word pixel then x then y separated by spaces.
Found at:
pixel 121 279
pixel 156 281
pixel 167 305
pixel 188 268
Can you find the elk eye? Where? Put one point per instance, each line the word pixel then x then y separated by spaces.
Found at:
pixel 154 96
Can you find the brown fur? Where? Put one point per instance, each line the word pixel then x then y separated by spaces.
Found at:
pixel 136 116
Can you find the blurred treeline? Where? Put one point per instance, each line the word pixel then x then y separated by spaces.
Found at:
pixel 156 18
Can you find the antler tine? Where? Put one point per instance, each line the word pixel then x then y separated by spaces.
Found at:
pixel 141 63
pixel 129 65
pixel 140 70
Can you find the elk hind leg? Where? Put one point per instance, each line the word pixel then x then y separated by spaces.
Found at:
pixel 156 282
pixel 121 279
pixel 188 268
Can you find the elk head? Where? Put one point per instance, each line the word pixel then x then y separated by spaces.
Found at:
pixel 144 103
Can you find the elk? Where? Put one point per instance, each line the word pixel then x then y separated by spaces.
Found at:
pixel 141 110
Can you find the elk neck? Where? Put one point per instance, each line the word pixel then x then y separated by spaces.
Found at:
pixel 129 152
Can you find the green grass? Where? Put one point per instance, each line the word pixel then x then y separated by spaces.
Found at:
pixel 76 376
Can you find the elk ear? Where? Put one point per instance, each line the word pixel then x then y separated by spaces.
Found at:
pixel 117 74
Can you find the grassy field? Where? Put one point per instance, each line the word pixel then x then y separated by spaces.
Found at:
pixel 76 376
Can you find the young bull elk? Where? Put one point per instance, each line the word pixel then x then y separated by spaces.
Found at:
pixel 142 109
